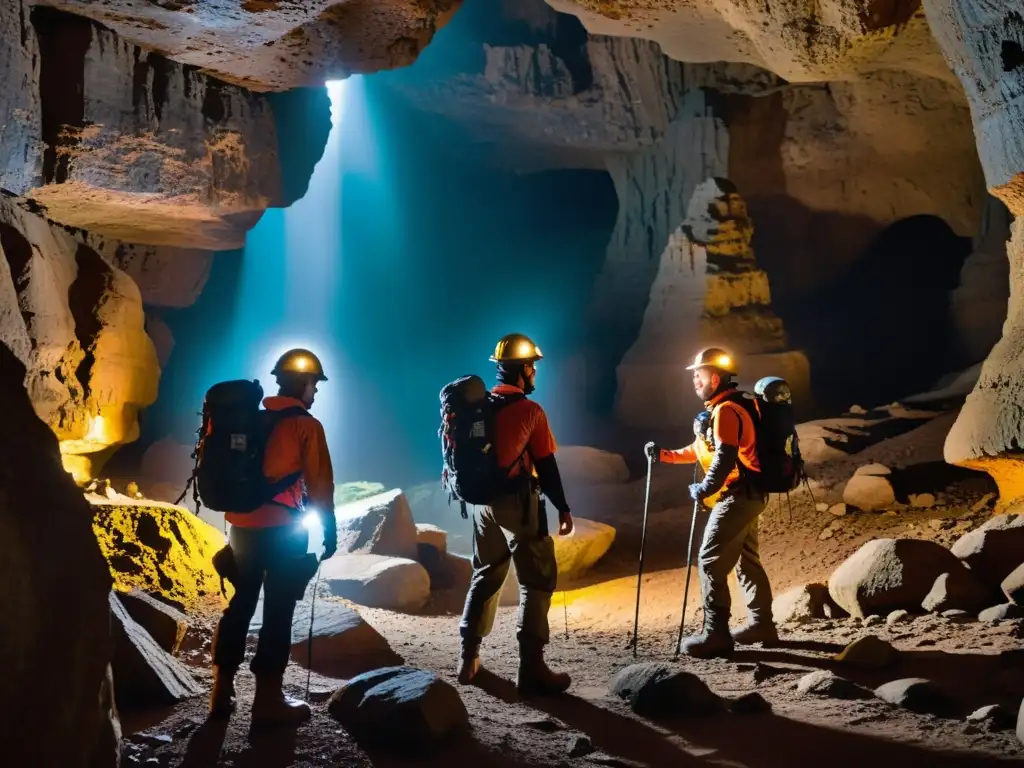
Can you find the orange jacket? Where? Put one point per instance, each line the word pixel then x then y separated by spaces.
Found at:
pixel 518 426
pixel 732 426
pixel 297 444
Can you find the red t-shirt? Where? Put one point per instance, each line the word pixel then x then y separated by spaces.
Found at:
pixel 519 425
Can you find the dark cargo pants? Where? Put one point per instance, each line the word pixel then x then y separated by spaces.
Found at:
pixel 532 550
pixel 275 560
pixel 731 541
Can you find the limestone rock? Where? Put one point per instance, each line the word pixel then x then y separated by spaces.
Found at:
pixel 76 322
pixel 654 689
pixel 899 616
pixel 991 553
pixel 959 589
pixel 1000 612
pixel 55 706
pixel 417 704
pixel 432 536
pixel 583 548
pixel 804 603
pixel 916 694
pixel 160 549
pixel 887 574
pixel 868 652
pixel 838 510
pixel 824 683
pixel 344 645
pixel 446 571
pixel 377 581
pixel 165 624
pixel 145 675
pixel 269 46
pixel 870 489
pixel 1013 585
pixel 589 466
pixel 379 525
pixel 994 717
pixel 922 500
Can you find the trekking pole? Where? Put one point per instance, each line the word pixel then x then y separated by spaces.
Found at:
pixel 689 563
pixel 565 611
pixel 643 540
pixel 309 642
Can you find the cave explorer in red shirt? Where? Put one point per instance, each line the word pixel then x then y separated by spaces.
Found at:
pixel 730 537
pixel 524 443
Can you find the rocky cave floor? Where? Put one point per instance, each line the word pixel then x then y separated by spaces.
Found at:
pixel 974 663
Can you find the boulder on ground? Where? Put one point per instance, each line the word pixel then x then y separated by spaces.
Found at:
pixel 1002 522
pixel 887 574
pixel 377 525
pixel 145 675
pixel 822 682
pixel 164 623
pixel 1020 722
pixel 922 500
pixel 377 581
pixel 959 589
pixel 868 652
pixel 583 465
pixel 1013 585
pixel 344 645
pixel 992 553
pixel 583 548
pixel 916 694
pixel 160 549
pixel 994 717
pixel 1001 612
pixel 655 688
pixel 870 489
pixel 805 603
pixel 433 536
pixel 409 710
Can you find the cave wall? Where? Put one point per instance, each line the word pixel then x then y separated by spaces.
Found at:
pixel 983 41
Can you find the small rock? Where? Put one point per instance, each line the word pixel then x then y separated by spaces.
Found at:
pixel 869 492
pixel 982 503
pixel 958 589
pixel 994 717
pixel 826 534
pixel 839 510
pixel 417 704
pixel 890 513
pixel 868 652
pixel 661 689
pixel 752 703
pixel 858 410
pixel 935 524
pixel 432 536
pixel 580 746
pixel 916 694
pixel 821 506
pixel 922 500
pixel 872 620
pixel 1001 612
pixel 764 672
pixel 825 683
pixel 378 581
pixel 899 616
pixel 957 615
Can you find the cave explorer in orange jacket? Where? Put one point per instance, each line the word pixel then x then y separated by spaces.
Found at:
pixel 730 536
pixel 268 548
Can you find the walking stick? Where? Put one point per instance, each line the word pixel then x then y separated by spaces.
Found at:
pixel 689 564
pixel 643 540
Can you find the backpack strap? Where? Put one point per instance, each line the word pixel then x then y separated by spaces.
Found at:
pixel 736 398
pixel 273 419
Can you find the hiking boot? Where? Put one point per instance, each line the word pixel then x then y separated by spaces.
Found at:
pixel 222 697
pixel 468 669
pixel 535 676
pixel 709 645
pixel 756 632
pixel 270 705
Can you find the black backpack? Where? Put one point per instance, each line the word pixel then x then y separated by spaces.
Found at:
pixel 471 472
pixel 229 451
pixel 778 447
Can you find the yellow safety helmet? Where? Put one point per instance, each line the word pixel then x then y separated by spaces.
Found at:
pixel 299 361
pixel 516 348
pixel 716 358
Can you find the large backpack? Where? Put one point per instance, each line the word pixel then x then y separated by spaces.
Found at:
pixel 229 452
pixel 778 447
pixel 471 472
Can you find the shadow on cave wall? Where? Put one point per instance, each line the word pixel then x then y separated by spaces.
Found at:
pixel 881 328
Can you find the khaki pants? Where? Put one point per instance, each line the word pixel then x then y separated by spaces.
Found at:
pixel 533 552
pixel 730 541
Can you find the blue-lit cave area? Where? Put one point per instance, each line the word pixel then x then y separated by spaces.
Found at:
pixel 249 248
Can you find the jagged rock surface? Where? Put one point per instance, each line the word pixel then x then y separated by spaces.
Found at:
pixel 55 703
pixel 76 321
pixel 272 45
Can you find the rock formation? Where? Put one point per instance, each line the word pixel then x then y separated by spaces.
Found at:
pixel 983 42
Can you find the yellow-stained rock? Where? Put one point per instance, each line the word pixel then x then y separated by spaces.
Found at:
pixel 159 548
